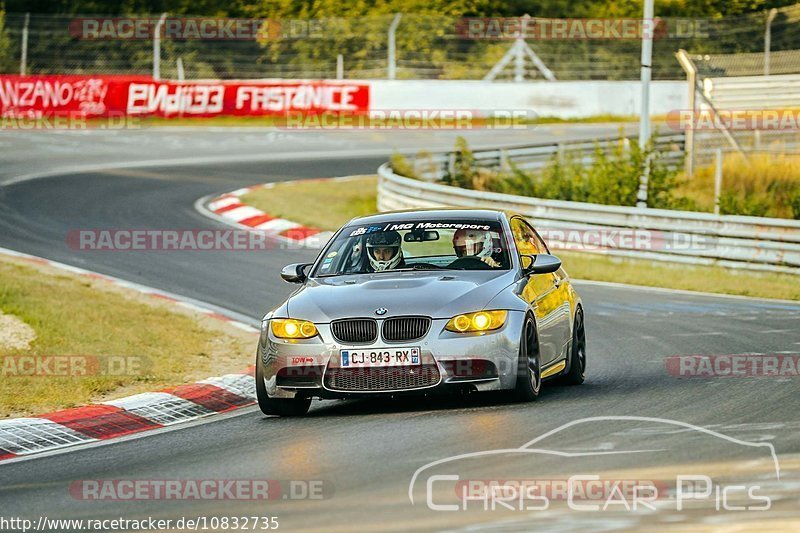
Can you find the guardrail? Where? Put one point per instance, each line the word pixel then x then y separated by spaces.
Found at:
pixel 658 234
pixel 754 92
pixel 536 156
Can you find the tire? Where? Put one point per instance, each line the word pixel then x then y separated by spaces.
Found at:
pixel 529 373
pixel 577 355
pixel 277 406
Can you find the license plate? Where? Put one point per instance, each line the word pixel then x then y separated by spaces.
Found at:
pixel 380 357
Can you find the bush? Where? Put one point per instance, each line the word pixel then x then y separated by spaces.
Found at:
pixel 564 178
pixel 613 179
pixel 610 178
pixel 464 172
pixel 794 203
pixel 401 166
pixel 733 203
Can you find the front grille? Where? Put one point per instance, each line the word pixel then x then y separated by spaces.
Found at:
pixel 382 378
pixel 406 328
pixel 355 330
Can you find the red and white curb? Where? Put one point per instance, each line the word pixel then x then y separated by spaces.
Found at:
pixel 229 208
pixel 21 437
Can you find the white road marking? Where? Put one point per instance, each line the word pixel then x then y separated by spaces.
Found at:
pixel 701 334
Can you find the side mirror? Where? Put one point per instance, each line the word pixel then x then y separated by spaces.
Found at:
pixel 540 264
pixel 295 273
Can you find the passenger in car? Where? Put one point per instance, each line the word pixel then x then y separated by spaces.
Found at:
pixel 475 243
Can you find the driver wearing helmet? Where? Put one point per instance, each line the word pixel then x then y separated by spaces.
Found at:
pixel 383 251
pixel 475 243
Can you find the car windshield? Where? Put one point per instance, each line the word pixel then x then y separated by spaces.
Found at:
pixel 416 245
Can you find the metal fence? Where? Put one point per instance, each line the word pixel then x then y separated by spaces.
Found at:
pixel 751 141
pixel 754 92
pixel 535 157
pixel 678 236
pixel 720 85
pixel 423 47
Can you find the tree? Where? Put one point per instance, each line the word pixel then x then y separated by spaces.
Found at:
pixel 7 63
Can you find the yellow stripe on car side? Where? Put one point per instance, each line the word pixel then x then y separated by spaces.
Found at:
pixel 555 369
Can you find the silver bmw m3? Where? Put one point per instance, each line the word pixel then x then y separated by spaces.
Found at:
pixel 422 302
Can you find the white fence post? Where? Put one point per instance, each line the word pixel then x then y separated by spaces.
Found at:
pixel 717 180
pixel 340 67
pixel 23 60
pixel 644 114
pixel 392 59
pixel 691 76
pixel 768 39
pixel 157 47
pixel 646 72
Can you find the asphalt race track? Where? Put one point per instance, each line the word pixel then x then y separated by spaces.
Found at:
pixel 366 452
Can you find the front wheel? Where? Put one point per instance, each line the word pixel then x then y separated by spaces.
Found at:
pixel 529 373
pixel 277 406
pixel 577 362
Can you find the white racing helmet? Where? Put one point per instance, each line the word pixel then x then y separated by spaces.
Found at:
pixel 380 242
pixel 472 243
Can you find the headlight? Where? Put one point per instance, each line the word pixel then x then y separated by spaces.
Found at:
pixel 290 328
pixel 479 321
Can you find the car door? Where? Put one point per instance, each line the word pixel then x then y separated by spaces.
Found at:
pixel 562 296
pixel 543 293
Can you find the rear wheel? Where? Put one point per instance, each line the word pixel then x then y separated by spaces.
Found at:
pixel 577 362
pixel 529 372
pixel 277 406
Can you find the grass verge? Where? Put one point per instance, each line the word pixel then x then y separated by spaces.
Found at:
pixel 125 342
pixel 323 204
pixel 679 276
pixel 329 204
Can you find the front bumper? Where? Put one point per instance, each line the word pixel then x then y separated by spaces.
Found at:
pixel 449 361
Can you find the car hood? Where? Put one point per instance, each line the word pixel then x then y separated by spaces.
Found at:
pixel 434 294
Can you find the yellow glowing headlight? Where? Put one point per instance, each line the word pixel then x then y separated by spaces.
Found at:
pixel 289 328
pixel 480 321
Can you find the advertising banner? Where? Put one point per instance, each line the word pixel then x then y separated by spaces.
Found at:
pixel 102 96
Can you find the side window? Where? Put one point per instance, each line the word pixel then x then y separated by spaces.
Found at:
pixel 528 243
pixel 540 243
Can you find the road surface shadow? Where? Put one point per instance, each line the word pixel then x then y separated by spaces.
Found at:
pixel 446 402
